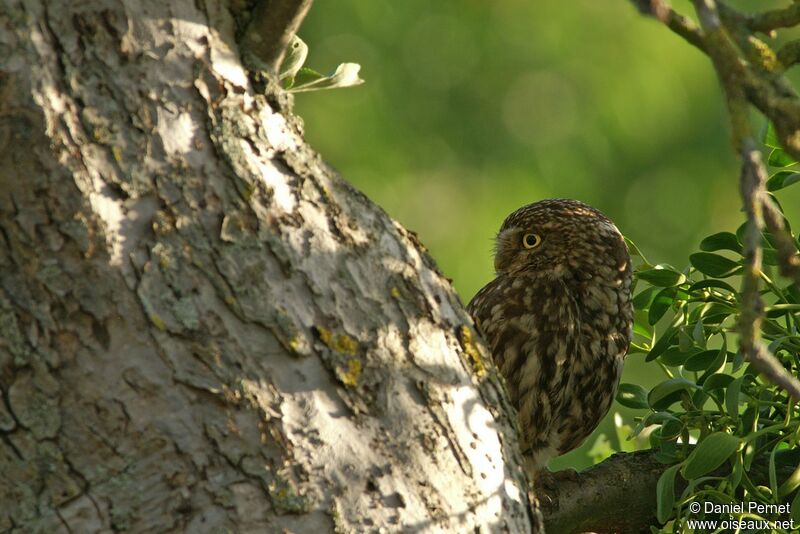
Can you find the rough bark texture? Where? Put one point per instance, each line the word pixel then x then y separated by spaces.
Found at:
pixel 202 327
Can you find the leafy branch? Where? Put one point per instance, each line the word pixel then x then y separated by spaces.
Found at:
pixel 750 73
pixel 718 431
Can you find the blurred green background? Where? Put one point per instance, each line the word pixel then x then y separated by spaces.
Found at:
pixel 471 109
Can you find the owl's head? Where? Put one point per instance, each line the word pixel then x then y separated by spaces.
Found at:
pixel 560 238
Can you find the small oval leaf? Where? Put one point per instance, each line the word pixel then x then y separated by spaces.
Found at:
pixel 660 305
pixel 701 361
pixel 732 397
pixel 721 241
pixel 665 493
pixel 662 344
pixel 717 381
pixel 644 298
pixel 710 454
pixel 782 179
pixel 714 264
pixel 661 277
pixel 632 396
pixel 779 158
pixel 669 392
pixel 675 357
pixel 711 283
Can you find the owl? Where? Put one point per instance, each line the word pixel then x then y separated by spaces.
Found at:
pixel 558 320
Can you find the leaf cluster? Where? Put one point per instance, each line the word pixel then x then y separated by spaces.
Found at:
pixel 296 78
pixel 729 435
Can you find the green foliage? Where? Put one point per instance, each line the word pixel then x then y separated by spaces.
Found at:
pixel 730 435
pixel 299 79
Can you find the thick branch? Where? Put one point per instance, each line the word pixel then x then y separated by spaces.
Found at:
pixel 617 495
pixel 273 24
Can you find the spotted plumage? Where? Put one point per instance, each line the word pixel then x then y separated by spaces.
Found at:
pixel 557 319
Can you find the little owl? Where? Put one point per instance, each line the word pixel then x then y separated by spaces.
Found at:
pixel 557 319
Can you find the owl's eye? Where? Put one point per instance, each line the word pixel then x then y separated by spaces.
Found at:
pixel 531 240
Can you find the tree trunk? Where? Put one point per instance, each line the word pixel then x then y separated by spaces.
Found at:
pixel 204 328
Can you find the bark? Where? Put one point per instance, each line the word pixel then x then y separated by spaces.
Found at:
pixel 202 326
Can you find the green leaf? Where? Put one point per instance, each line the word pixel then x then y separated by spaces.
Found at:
pixel 675 357
pixel 769 137
pixel 667 450
pixel 716 312
pixel 660 305
pixel 701 361
pixel 710 454
pixel 792 294
pixel 659 418
pixel 633 249
pixel 670 430
pixel 306 76
pixel 641 327
pixel 632 396
pixel 645 297
pixel 779 158
pixel 717 381
pixel 661 277
pixel 711 283
pixel 795 515
pixel 714 264
pixel 773 474
pixel 735 477
pixel 665 493
pixel 782 179
pixel 668 392
pixel 769 256
pixel 662 344
pixel 717 365
pixel 346 75
pixel 732 397
pixel 296 54
pixel 721 241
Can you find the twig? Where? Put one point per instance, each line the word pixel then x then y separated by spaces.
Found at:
pixel 772 20
pixel 781 106
pixel 273 24
pixel 752 185
pixel 676 22
pixel 770 94
pixel 788 259
pixel 753 190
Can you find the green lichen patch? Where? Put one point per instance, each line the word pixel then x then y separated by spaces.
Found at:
pixel 157 321
pixel 341 343
pixel 285 499
pixel 471 352
pixel 289 334
pixel 350 374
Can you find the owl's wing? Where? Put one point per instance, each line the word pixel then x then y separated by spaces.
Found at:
pixel 488 309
